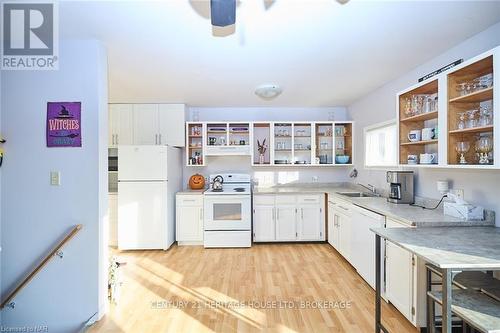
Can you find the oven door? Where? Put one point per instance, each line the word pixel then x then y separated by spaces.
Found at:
pixel 227 212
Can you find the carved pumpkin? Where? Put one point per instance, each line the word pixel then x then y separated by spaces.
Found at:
pixel 197 182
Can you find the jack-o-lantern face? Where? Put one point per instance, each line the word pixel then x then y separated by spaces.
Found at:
pixel 197 182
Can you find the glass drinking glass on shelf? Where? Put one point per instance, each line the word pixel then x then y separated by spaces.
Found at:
pixel 471 119
pixel 484 146
pixel 408 110
pixel 485 116
pixel 461 88
pixel 461 122
pixel 427 104
pixel 462 148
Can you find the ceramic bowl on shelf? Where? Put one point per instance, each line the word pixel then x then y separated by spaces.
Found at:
pixel 342 159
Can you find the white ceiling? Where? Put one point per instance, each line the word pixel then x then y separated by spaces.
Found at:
pixel 320 52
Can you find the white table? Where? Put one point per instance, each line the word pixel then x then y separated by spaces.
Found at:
pixel 451 249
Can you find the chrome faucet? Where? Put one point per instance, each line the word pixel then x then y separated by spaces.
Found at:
pixel 370 187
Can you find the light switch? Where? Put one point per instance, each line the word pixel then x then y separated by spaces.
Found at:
pixel 55 178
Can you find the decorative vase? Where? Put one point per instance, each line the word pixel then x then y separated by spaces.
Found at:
pixel 261 159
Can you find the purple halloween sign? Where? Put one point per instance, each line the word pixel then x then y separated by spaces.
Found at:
pixel 64 124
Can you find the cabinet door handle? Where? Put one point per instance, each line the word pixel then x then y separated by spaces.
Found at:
pixel 112 139
pixel 117 142
pixel 156 139
pixel 159 135
pixel 302 213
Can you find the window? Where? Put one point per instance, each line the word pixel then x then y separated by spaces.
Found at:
pixel 381 144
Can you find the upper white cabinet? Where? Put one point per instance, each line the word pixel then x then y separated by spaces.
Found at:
pixel 451 119
pixel 146 124
pixel 171 124
pixel 121 124
pixel 288 217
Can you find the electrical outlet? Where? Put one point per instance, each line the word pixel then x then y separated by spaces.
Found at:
pixel 315 179
pixel 459 193
pixel 55 178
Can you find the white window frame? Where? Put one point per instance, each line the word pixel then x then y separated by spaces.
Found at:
pixel 373 127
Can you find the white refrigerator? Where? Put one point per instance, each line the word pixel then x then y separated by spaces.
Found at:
pixel 148 178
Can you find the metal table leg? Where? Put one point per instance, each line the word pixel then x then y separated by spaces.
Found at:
pixel 446 289
pixel 378 286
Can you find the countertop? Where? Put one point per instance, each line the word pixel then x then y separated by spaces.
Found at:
pixel 449 247
pixel 190 191
pixel 410 215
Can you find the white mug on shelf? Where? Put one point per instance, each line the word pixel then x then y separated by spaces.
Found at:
pixel 415 135
pixel 428 133
pixel 412 159
pixel 428 158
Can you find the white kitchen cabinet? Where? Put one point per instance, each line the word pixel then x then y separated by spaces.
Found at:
pixel 400 276
pixel 293 217
pixel 264 228
pixel 286 223
pixel 310 223
pixel 171 123
pixel 146 124
pixel 189 219
pixel 121 125
pixel 342 227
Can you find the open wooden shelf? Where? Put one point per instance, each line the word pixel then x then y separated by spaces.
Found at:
pixel 421 117
pixel 479 129
pixel 417 143
pixel 458 104
pixel 475 97
pixel 417 122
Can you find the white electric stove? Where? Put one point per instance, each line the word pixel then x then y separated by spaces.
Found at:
pixel 228 212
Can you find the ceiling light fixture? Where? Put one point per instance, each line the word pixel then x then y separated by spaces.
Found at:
pixel 268 91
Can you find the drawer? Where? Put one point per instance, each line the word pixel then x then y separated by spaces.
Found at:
pixel 189 200
pixel 263 199
pixel 285 199
pixel 309 199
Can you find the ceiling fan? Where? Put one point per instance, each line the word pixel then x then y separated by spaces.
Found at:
pixel 223 12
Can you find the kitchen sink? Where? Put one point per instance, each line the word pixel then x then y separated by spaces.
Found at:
pixel 357 194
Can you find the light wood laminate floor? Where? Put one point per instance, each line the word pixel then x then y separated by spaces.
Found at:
pixel 178 290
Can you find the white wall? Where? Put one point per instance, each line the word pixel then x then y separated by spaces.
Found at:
pixel 272 175
pixel 481 186
pixel 35 215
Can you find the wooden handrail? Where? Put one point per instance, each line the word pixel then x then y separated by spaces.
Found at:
pixel 41 265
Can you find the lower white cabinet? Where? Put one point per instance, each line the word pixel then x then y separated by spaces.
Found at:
pixel 264 229
pixel 339 216
pixel 401 276
pixel 288 218
pixel 286 223
pixel 189 219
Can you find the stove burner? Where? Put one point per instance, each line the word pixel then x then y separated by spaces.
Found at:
pixel 239 189
pixel 217 190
